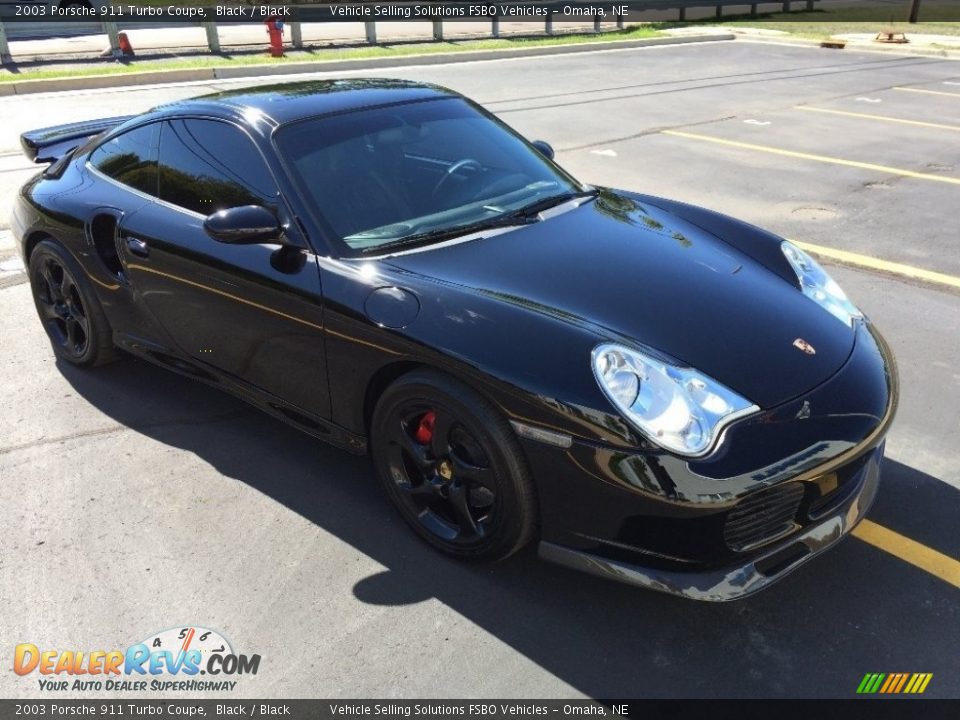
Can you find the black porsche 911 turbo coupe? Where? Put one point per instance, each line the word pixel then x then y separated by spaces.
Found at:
pixel 652 391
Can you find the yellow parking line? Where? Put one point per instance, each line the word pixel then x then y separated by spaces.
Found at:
pixel 850 258
pixel 885 118
pixel 817 158
pixel 902 547
pixel 927 92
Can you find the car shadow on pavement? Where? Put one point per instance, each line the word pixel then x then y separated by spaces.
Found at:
pixel 853 610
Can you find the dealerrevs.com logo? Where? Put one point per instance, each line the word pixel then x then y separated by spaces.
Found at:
pixel 185 659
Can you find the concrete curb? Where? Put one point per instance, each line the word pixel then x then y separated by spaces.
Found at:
pixel 94 82
pixel 156 77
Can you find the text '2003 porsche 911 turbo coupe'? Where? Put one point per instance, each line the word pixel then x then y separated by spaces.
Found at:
pixel 650 391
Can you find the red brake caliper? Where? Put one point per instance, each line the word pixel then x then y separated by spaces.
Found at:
pixel 424 433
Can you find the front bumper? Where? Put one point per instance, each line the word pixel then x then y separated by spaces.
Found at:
pixel 782 487
pixel 731 583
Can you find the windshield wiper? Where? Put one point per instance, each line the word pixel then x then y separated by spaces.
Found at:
pixel 524 216
pixel 440 234
pixel 535 208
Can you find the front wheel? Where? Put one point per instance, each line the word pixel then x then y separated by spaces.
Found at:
pixel 453 468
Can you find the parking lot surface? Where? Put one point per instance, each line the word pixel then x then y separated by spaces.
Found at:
pixel 134 500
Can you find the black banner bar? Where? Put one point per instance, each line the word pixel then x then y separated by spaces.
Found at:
pixel 854 709
pixel 160 11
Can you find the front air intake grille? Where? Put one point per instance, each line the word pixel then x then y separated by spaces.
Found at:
pixel 763 517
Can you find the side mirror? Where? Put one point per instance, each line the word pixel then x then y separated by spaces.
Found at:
pixel 544 148
pixel 244 225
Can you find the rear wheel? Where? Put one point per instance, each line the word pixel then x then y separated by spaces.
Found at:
pixel 68 307
pixel 453 468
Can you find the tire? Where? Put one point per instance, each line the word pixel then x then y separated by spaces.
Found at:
pixel 458 478
pixel 68 308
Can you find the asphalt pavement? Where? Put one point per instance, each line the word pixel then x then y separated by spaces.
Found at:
pixel 134 500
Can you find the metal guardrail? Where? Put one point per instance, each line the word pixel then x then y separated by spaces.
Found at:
pixel 684 5
pixel 112 29
pixel 4 46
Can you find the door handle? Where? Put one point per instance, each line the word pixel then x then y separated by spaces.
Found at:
pixel 137 246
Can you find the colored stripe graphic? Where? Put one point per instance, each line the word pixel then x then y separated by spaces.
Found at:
pixel 891 680
pixel 874 683
pixel 894 683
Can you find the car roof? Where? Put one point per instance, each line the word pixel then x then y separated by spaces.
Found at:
pixel 287 102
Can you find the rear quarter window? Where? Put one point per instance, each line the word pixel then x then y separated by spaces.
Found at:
pixel 130 158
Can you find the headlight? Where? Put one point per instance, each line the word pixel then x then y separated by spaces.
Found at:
pixel 817 285
pixel 678 408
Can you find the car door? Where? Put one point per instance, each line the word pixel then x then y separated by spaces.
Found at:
pixel 254 313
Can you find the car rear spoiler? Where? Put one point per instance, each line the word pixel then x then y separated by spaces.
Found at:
pixel 50 144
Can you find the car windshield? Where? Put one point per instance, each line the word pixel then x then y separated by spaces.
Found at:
pixel 418 173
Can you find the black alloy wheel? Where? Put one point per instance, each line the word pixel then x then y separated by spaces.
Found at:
pixel 68 309
pixel 453 468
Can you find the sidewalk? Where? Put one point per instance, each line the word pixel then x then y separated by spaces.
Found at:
pixel 919 42
pixel 945 42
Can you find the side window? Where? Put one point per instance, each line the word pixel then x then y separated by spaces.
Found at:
pixel 130 158
pixel 207 165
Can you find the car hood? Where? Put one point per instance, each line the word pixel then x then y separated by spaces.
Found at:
pixel 652 278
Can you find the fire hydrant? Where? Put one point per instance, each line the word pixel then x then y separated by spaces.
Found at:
pixel 275 31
